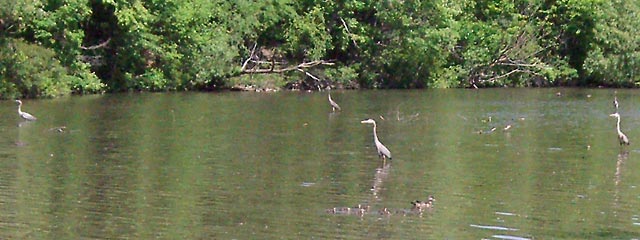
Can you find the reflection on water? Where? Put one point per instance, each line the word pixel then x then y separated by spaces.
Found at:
pixel 502 164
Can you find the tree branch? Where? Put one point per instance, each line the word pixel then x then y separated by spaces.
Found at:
pixel 349 32
pixel 101 45
pixel 244 65
pixel 290 68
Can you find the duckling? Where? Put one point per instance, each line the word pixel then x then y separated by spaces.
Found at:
pixel 331 210
pixel 384 211
pixel 362 207
pixel 421 205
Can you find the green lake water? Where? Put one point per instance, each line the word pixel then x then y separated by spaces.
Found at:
pixel 235 165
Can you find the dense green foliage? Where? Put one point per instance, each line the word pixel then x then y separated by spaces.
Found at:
pixel 51 48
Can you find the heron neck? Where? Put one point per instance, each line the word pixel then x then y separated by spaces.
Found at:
pixel 19 108
pixel 618 126
pixel 375 135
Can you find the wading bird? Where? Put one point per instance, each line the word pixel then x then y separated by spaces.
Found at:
pixel 382 150
pixel 621 137
pixel 334 105
pixel 24 115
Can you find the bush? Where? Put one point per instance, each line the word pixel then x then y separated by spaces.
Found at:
pixel 29 70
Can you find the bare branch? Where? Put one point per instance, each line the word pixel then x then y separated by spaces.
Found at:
pixel 519 64
pixel 349 32
pixel 309 74
pixel 244 65
pixel 101 45
pixel 290 68
pixel 267 62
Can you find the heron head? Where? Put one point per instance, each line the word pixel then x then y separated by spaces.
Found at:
pixel 368 121
pixel 614 115
pixel 18 101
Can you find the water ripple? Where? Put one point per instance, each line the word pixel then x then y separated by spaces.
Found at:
pixel 506 214
pixel 493 227
pixel 307 184
pixel 509 237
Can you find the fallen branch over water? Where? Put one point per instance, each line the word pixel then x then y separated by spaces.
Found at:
pixel 273 69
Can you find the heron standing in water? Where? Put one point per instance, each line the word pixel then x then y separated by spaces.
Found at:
pixel 621 137
pixel 334 105
pixel 24 115
pixel 382 150
pixel 615 103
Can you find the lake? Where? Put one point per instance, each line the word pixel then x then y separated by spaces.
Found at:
pixel 238 165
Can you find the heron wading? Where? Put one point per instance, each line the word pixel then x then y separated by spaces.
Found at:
pixel 334 105
pixel 624 140
pixel 383 151
pixel 24 115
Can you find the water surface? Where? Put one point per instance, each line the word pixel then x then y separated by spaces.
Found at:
pixel 235 165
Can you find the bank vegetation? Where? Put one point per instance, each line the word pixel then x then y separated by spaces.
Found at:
pixel 52 48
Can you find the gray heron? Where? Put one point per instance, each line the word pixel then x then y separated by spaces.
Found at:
pixel 334 105
pixel 615 102
pixel 382 150
pixel 621 137
pixel 24 115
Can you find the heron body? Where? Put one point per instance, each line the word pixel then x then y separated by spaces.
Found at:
pixel 24 115
pixel 334 105
pixel 382 150
pixel 624 140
